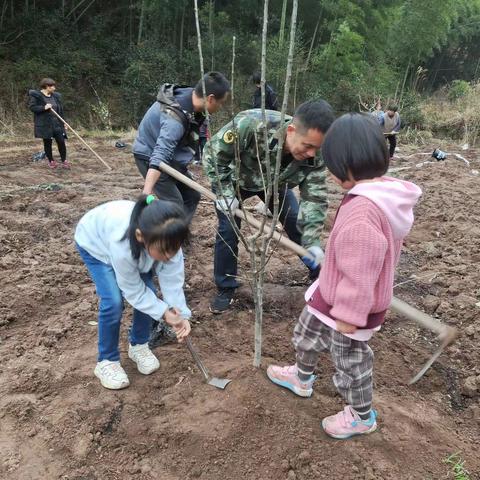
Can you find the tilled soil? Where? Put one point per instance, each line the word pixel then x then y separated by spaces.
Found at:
pixel 57 422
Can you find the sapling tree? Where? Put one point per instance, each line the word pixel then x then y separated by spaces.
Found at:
pixel 259 239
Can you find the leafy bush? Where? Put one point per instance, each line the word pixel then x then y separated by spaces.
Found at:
pixel 411 111
pixel 459 120
pixel 458 89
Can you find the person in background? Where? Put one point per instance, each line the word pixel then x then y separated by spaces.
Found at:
pixel 123 244
pixel 391 123
pixel 204 135
pixel 46 125
pixel 348 302
pixel 271 100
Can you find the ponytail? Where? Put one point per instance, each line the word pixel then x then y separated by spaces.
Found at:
pixel 162 223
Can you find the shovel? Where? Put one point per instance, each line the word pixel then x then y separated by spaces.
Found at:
pixel 214 381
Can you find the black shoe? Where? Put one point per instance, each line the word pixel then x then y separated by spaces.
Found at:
pixel 313 274
pixel 222 300
pixel 161 335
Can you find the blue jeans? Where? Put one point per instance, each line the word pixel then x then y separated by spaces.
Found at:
pixel 226 242
pixel 111 309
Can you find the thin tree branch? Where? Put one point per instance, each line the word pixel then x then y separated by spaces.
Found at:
pixel 6 42
pixel 83 12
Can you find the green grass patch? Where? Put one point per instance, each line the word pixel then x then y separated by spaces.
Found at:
pixel 457 465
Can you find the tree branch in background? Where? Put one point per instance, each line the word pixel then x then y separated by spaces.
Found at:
pixel 232 77
pixel 72 11
pixel 6 42
pixel 282 24
pixel 141 22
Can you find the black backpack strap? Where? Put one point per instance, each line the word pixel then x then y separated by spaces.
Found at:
pixel 166 99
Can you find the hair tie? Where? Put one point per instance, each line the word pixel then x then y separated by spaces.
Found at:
pixel 150 198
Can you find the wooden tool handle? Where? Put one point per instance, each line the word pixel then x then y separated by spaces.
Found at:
pixel 81 139
pixel 397 305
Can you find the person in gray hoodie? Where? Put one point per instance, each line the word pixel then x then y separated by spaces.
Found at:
pixel 122 244
pixel 390 122
pixel 169 133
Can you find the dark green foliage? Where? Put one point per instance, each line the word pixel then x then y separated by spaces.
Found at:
pixel 110 57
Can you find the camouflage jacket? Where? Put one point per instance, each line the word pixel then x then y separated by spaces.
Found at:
pixel 245 133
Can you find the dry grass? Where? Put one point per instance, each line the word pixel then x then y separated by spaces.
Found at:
pixel 459 119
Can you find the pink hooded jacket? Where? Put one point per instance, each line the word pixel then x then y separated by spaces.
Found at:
pixel 356 280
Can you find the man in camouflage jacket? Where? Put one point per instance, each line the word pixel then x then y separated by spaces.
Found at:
pixel 301 166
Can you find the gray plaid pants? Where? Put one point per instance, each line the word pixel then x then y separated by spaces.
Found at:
pixel 353 359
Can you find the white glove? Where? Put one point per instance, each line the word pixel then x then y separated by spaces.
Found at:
pixel 315 258
pixel 227 203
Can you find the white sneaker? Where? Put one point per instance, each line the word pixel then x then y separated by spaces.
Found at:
pixel 146 361
pixel 111 375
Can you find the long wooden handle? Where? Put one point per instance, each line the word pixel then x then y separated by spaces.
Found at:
pixel 397 305
pixel 81 139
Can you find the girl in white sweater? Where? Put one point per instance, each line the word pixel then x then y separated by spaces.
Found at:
pixel 122 244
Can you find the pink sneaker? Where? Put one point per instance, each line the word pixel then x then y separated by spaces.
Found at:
pixel 347 423
pixel 65 164
pixel 52 164
pixel 287 377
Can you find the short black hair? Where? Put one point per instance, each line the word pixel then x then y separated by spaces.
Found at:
pixel 314 114
pixel 216 84
pixel 355 143
pixel 256 78
pixel 392 107
pixel 46 82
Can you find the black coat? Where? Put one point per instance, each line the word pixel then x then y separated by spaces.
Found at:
pixel 46 124
pixel 271 101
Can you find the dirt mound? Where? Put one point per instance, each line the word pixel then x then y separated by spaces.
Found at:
pixel 57 422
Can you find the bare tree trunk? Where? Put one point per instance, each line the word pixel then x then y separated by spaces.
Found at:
pixel 438 64
pixel 476 70
pixel 295 89
pixel 200 54
pixel 75 7
pixel 232 75
pixel 282 23
pixel 26 6
pixel 211 33
pixel 312 42
pixel 140 25
pixel 4 10
pixel 175 27
pixel 404 80
pixel 130 24
pixel 396 92
pixel 182 26
pixel 80 15
pixel 257 271
pixel 259 266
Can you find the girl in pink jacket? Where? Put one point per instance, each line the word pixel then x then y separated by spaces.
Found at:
pixel 348 302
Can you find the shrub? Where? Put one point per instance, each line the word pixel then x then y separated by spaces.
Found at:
pixel 458 89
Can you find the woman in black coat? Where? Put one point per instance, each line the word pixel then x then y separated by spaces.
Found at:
pixel 47 125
